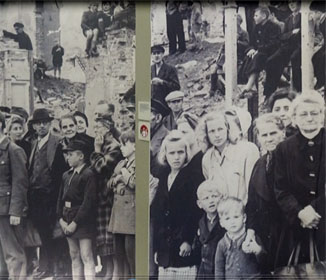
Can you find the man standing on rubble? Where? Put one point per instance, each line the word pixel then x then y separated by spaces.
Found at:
pixel 21 37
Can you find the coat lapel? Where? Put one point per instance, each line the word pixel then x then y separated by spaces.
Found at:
pixel 34 145
pixel 51 149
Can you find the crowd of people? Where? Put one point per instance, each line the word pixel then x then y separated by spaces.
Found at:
pixel 222 207
pixel 65 192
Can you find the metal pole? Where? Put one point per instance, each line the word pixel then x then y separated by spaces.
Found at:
pixel 307 46
pixel 230 52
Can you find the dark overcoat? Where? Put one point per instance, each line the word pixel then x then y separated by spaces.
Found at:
pixel 263 212
pixel 169 75
pixel 299 182
pixel 175 215
pixel 13 180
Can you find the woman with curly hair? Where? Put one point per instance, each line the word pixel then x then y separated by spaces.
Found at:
pixel 229 165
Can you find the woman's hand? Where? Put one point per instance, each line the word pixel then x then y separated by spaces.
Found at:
pixel 99 141
pixel 185 249
pixel 249 238
pixel 309 217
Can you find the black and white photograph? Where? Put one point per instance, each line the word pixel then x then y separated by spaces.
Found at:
pixel 67 140
pixel 237 151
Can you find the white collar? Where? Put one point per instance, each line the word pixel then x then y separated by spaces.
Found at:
pixel 78 169
pixel 43 141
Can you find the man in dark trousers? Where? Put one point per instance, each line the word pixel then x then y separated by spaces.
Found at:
pixel 21 37
pixel 164 76
pixel 174 28
pixel 290 50
pixel 46 166
pixel 13 204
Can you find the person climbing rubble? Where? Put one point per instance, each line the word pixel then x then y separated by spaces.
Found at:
pixel 23 40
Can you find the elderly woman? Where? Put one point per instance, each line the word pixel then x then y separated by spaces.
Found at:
pixel 175 212
pixel 263 213
pixel 299 176
pixel 229 165
pixel 68 126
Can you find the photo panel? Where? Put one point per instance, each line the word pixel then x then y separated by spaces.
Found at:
pixel 67 139
pixel 237 157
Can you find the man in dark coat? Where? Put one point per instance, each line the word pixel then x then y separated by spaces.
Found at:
pixel 264 41
pixel 290 50
pixel 21 37
pixel 46 166
pixel 13 204
pixel 300 177
pixel 164 77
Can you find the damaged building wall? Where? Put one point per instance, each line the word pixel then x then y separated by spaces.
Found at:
pixel 111 74
pixel 41 21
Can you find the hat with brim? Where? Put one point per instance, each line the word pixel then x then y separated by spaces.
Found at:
pixel 76 145
pixel 19 111
pixel 18 25
pixel 157 48
pixel 41 114
pixel 159 107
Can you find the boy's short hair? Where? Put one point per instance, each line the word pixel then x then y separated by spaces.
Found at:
pixel 206 186
pixel 229 203
pixel 127 136
pixel 263 10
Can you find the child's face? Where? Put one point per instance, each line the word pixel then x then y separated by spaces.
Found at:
pixel 259 17
pixel 127 149
pixel 233 221
pixel 75 158
pixel 176 155
pixel 207 200
pixel 217 133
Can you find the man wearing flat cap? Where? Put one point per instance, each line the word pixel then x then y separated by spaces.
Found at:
pixel 23 40
pixel 175 103
pixel 164 76
pixel 13 204
pixel 46 166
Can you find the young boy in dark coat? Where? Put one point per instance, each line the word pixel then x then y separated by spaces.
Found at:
pixel 210 232
pixel 76 210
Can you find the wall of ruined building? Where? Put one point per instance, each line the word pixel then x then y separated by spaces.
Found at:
pixel 111 74
pixel 47 19
pixel 212 14
pixel 40 24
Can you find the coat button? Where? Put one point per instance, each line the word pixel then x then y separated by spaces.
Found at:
pixel 167 213
pixel 312 174
pixel 311 143
pixel 8 193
